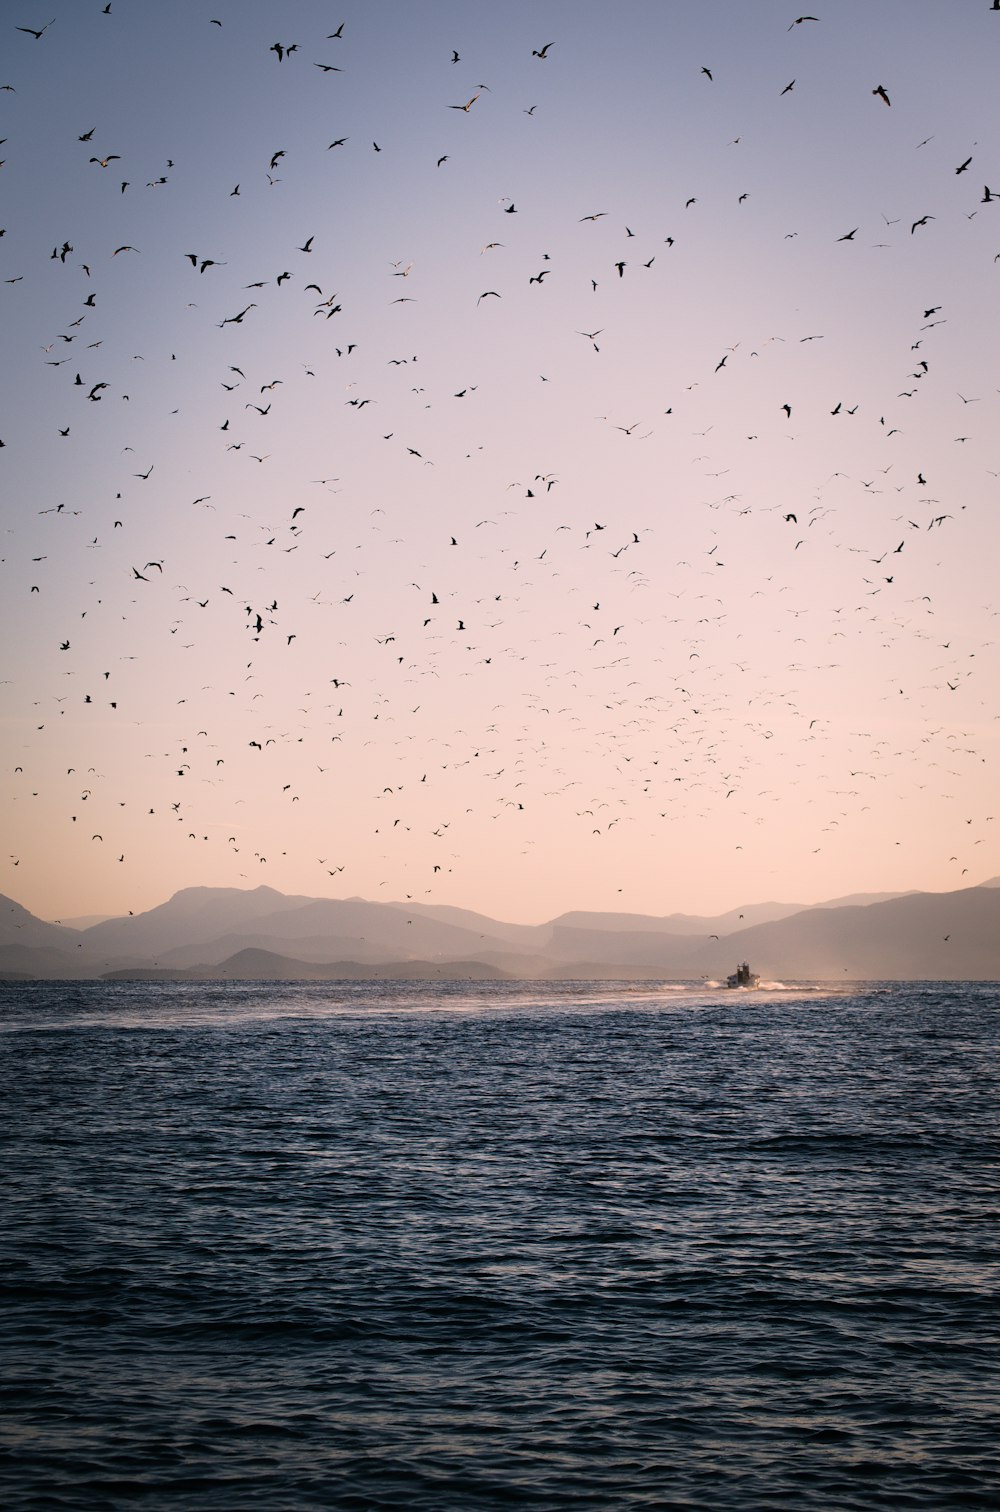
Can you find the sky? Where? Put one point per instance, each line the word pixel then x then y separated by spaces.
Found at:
pixel 526 457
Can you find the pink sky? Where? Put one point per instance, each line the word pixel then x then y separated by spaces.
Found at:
pixel 548 619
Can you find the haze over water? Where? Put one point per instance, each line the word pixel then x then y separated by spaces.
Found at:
pixel 475 1246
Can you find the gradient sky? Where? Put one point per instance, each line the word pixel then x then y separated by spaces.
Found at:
pixel 484 609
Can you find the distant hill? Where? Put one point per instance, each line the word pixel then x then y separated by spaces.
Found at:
pixel 206 925
pixel 721 924
pixel 43 962
pixel 19 927
pixel 222 933
pixel 193 914
pixel 265 966
pixel 932 936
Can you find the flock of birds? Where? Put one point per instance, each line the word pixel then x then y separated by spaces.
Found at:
pixel 487 633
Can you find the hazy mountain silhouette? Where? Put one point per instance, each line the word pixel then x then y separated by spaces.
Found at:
pixel 193 914
pixel 19 927
pixel 932 936
pixel 727 923
pixel 223 920
pixel 221 931
pixel 266 966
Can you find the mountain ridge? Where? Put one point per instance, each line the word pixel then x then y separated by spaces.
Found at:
pixel 909 935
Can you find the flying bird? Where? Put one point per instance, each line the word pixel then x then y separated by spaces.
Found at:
pixel 880 91
pixel 36 34
pixel 237 319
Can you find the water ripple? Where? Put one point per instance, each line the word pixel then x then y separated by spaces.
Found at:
pixel 393 1245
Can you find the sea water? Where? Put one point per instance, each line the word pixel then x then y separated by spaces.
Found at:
pixel 478 1246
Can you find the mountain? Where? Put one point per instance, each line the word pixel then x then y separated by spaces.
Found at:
pixel 915 936
pixel 464 918
pixel 266 966
pixel 43 963
pixel 207 924
pixel 19 927
pixel 194 913
pixel 720 924
pixel 221 932
pixel 918 936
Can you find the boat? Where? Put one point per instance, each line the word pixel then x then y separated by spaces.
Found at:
pixel 743 977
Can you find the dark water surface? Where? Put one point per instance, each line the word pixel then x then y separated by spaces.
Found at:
pixel 364 1246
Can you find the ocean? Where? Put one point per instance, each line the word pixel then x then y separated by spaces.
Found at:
pixel 435 1246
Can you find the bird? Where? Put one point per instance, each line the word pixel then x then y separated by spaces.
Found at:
pixel 468 104
pixel 921 222
pixel 881 92
pixel 237 319
pixel 538 52
pixel 36 34
pixel 799 20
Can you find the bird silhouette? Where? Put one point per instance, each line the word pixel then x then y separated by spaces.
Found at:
pixel 38 35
